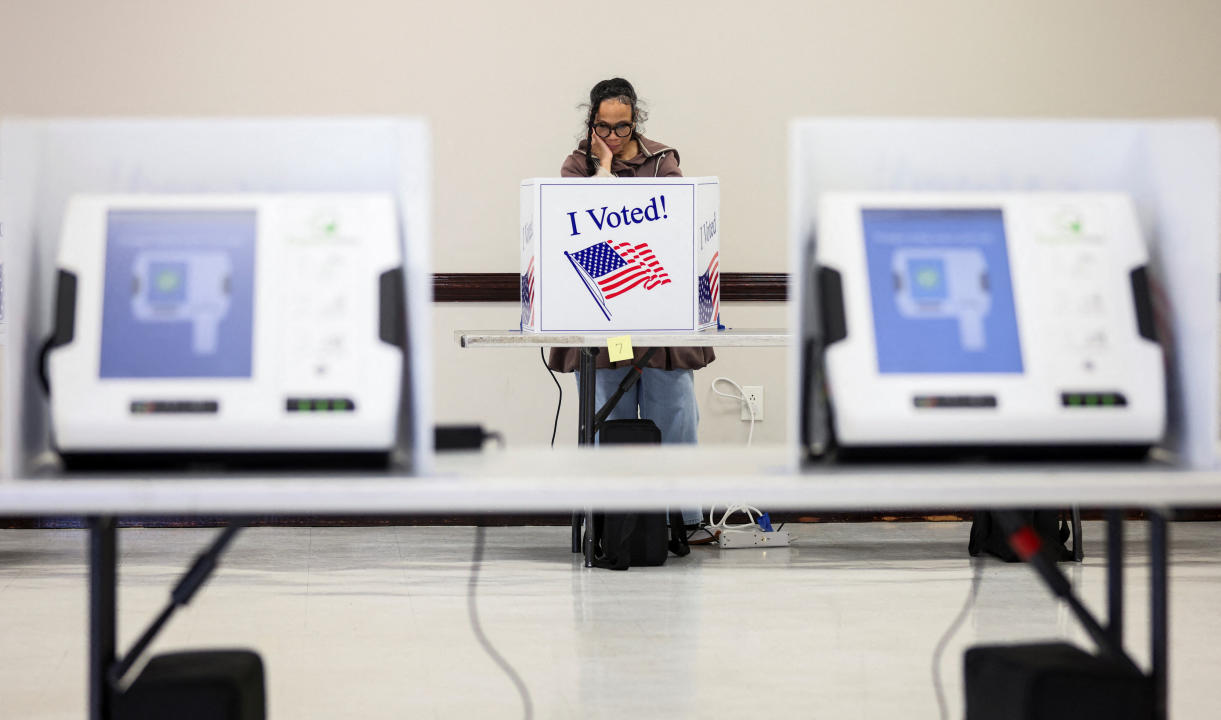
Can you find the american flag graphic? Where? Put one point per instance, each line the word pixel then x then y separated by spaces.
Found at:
pixel 527 295
pixel 710 290
pixel 615 268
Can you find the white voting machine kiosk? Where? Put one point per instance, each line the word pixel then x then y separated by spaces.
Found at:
pixel 207 324
pixel 988 320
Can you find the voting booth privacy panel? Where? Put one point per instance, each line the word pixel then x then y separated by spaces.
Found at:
pixel 1001 282
pixel 4 422
pixel 3 319
pixel 629 254
pixel 221 285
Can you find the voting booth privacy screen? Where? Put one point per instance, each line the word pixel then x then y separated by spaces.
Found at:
pixel 629 254
pixel 1156 187
pixel 989 319
pixel 3 320
pixel 221 288
pixel 227 323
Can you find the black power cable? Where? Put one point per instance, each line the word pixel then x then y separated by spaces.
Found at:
pixel 943 711
pixel 559 403
pixel 476 561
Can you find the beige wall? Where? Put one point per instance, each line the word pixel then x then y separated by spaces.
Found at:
pixel 500 82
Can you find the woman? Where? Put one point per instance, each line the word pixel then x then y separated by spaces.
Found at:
pixel 614 147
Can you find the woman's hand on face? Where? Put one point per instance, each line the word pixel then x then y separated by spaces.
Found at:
pixel 602 151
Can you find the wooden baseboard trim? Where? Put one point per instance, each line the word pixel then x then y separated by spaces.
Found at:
pixel 506 287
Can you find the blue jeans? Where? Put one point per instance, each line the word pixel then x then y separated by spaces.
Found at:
pixel 667 397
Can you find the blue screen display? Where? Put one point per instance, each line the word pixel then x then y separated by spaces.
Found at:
pixel 178 298
pixel 941 291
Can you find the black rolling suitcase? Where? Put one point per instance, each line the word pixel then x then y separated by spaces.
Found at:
pixel 621 540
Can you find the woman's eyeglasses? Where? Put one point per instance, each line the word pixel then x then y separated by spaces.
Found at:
pixel 622 130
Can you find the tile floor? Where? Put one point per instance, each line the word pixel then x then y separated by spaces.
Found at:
pixel 373 622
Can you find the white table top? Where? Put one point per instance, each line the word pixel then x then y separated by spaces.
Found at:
pixel 731 337
pixel 539 479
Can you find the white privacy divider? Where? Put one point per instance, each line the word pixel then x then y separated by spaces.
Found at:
pixel 1171 169
pixel 43 162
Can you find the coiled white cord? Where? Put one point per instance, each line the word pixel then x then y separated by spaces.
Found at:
pixel 741 398
pixel 715 525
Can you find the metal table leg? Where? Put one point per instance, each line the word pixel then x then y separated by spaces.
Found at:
pixel 587 403
pixel 1159 611
pixel 1115 554
pixel 103 604
pixel 586 408
pixel 1078 542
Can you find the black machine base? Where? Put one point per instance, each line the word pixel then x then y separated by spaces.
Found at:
pixel 1053 680
pixel 884 454
pixel 223 461
pixel 197 685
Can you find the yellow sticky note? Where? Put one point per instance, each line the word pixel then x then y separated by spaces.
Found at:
pixel 620 348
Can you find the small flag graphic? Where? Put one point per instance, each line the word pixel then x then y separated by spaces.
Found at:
pixel 710 290
pixel 527 295
pixel 609 270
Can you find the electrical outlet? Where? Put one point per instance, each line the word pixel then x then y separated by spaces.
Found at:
pixel 754 396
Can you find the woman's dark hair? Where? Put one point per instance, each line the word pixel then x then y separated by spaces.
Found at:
pixel 613 89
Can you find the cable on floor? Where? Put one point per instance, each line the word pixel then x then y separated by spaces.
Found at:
pixel 476 562
pixel 709 536
pixel 942 710
pixel 559 403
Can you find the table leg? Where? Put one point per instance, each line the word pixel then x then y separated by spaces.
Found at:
pixel 1159 612
pixel 1078 542
pixel 103 596
pixel 1115 553
pixel 586 409
pixel 587 403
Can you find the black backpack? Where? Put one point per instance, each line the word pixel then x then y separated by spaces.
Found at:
pixel 641 538
pixel 988 536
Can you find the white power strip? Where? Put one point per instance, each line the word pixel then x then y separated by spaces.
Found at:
pixel 752 538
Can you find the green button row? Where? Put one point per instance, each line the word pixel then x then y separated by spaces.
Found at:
pixel 320 405
pixel 1093 399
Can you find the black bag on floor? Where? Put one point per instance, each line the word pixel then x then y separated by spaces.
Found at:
pixel 1050 681
pixel 625 539
pixel 197 685
pixel 988 536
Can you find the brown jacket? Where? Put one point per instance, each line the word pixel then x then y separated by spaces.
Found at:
pixel 654 159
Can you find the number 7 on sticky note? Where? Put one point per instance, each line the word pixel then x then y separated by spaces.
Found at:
pixel 619 348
